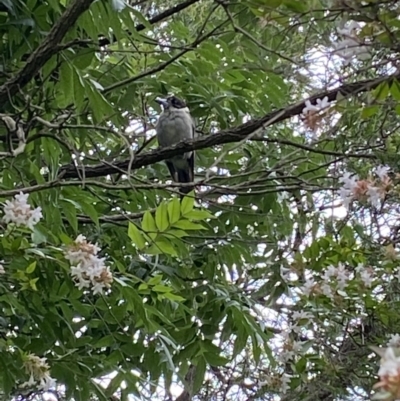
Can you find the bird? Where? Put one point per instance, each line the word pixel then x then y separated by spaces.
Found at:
pixel 175 125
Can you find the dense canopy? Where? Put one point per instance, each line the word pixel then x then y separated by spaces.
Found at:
pixel 277 278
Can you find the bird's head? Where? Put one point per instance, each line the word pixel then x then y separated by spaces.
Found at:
pixel 171 103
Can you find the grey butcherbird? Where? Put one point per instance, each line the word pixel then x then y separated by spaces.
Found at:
pixel 175 125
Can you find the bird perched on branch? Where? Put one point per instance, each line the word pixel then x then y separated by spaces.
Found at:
pixel 175 125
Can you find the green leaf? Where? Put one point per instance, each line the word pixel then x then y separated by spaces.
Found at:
pixel 69 211
pixel 162 217
pixel 31 268
pixel 90 210
pixel 187 203
pixel 199 215
pixel 200 371
pixel 174 210
pixel 369 111
pixel 173 297
pixel 188 225
pixel 155 280
pixel 105 341
pixel 32 283
pixel 162 247
pixel 149 225
pixel 65 84
pixel 140 17
pixel 298 6
pixel 214 359
pixel 37 236
pixel 161 288
pixel 136 236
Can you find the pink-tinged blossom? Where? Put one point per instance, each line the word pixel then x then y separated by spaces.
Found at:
pixel 382 172
pixel 87 269
pixel 320 105
pixel 19 212
pixel 39 373
pixel 390 364
pixel 374 195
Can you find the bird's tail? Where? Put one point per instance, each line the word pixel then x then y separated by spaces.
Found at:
pixel 183 177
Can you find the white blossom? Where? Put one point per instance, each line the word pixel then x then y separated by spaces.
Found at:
pixel 329 272
pixel 394 340
pixel 374 195
pixel 390 364
pixel 350 46
pixel 39 373
pixel 382 172
pixel 285 383
pixel 346 197
pixel 308 286
pixel 349 182
pixel 367 278
pixel 342 276
pixel 291 328
pixel 47 382
pixel 360 267
pixel 301 315
pixel 349 30
pixel 19 212
pixel 87 269
pixel 327 290
pixel 297 346
pixel 285 272
pixel 285 355
pixel 320 104
pixel 2 271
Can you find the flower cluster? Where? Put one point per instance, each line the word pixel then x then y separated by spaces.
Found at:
pixel 394 341
pixel 87 269
pixel 311 113
pixel 350 45
pixel 389 374
pixel 370 189
pixel 280 383
pixel 335 280
pixel 289 349
pixel 19 212
pixel 39 372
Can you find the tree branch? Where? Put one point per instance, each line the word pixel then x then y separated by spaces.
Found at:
pixel 235 134
pixel 163 65
pixel 157 18
pixel 45 50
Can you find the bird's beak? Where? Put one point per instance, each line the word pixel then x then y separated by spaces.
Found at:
pixel 162 101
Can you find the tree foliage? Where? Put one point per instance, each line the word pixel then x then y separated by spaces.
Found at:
pixel 275 276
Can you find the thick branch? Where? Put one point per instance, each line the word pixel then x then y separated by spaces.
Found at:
pixel 45 50
pixel 235 134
